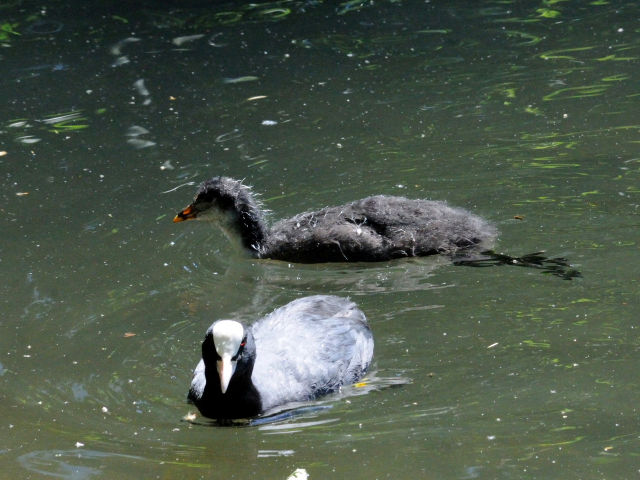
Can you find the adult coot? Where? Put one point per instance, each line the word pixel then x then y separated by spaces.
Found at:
pixel 372 229
pixel 309 347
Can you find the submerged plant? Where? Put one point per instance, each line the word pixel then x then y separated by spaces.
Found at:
pixel 7 30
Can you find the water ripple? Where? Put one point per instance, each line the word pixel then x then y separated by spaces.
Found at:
pixel 76 464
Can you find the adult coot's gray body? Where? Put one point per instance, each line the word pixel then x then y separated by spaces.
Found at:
pixel 372 229
pixel 298 352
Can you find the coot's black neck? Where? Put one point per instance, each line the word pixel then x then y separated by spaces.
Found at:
pixel 236 200
pixel 251 223
pixel 241 399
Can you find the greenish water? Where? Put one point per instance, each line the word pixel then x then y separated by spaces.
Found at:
pixel 524 112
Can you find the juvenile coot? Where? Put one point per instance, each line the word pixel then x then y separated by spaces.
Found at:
pixel 375 228
pixel 307 348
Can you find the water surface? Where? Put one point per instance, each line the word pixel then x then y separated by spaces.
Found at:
pixel 524 112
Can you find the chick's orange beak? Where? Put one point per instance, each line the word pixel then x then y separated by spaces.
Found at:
pixel 188 213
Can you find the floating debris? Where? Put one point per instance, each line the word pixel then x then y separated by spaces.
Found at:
pixel 212 40
pixel 121 61
pixel 3 153
pixel 22 194
pixel 67 121
pixel 257 97
pixel 167 166
pixel 189 417
pixel 187 184
pixel 139 84
pixel 435 30
pixel 65 117
pixel 298 474
pixel 129 334
pixel 246 78
pixel 117 48
pixel 52 67
pixel 269 123
pixel 186 39
pixel 350 6
pixel 140 143
pixel 275 453
pixel 232 135
pixel 28 139
pixel 136 130
pixel 142 90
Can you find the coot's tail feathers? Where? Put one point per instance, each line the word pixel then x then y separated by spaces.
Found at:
pixel 558 266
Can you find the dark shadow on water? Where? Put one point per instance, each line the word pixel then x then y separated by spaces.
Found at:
pixel 559 266
pixel 285 417
pixel 309 411
pixel 289 415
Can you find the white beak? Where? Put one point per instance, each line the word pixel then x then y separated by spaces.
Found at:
pixel 226 367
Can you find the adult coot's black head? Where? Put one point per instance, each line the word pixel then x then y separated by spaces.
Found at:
pixel 298 352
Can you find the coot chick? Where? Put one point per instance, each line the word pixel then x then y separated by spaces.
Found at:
pixel 307 348
pixel 372 229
